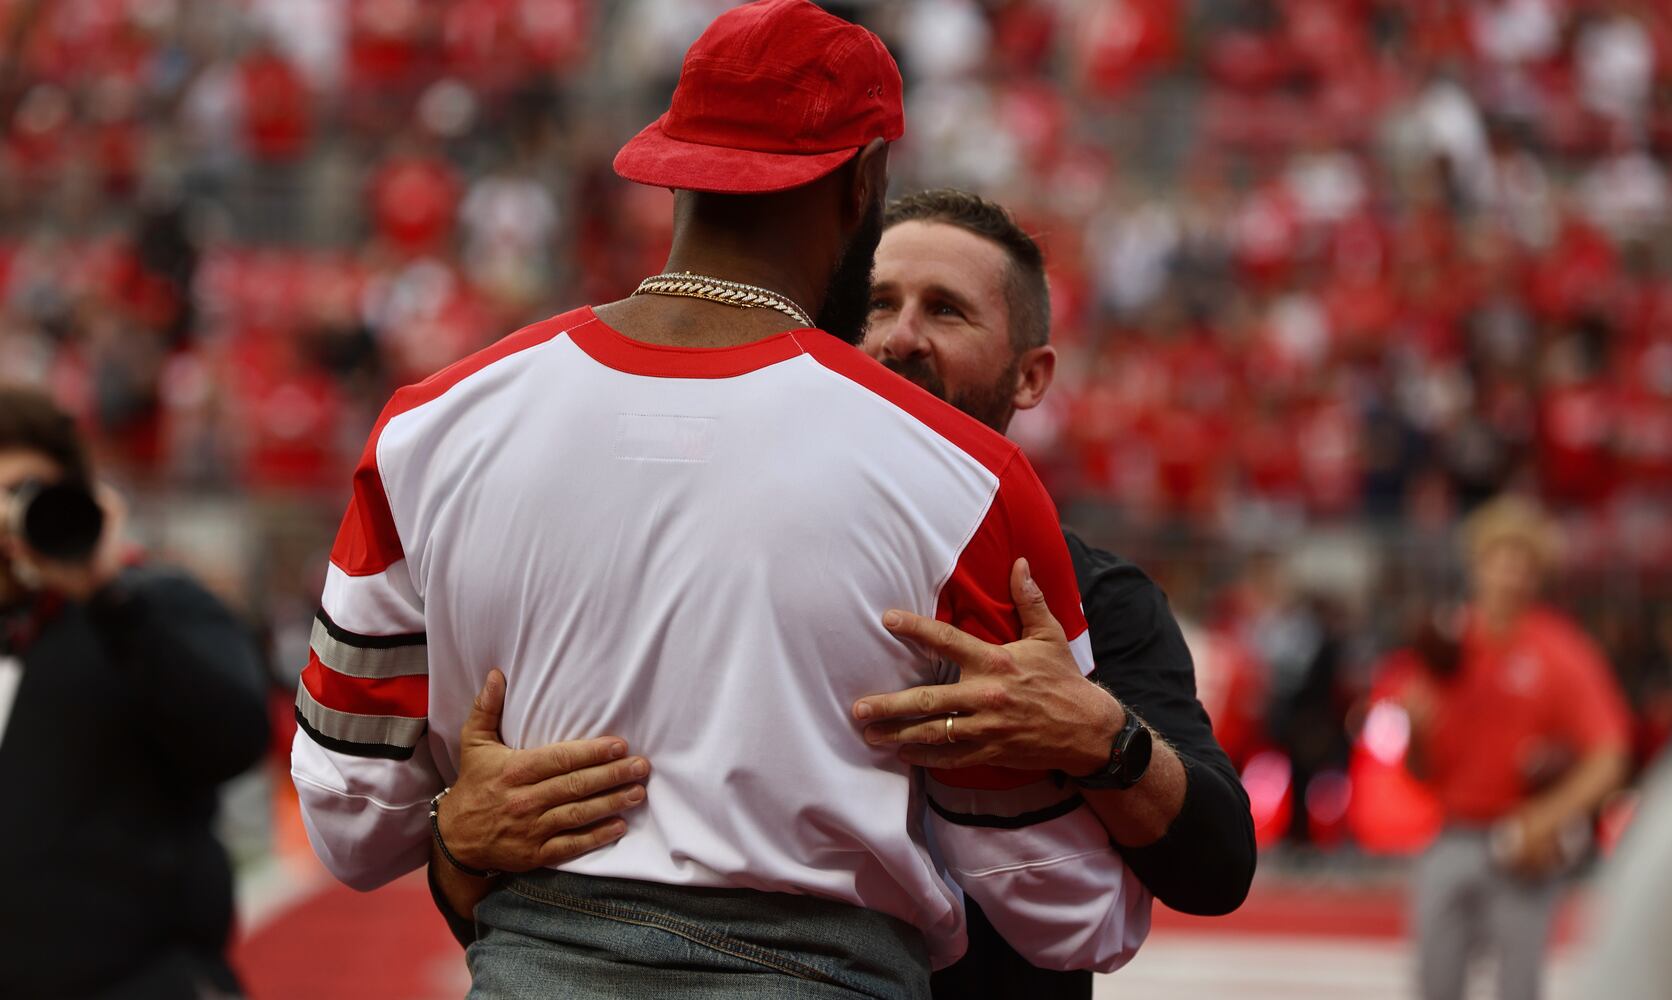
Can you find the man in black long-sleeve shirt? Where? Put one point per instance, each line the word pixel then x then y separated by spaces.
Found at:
pixel 960 307
pixel 127 696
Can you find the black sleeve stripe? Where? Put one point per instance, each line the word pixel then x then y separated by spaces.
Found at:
pixel 348 638
pixel 377 750
pixel 1034 818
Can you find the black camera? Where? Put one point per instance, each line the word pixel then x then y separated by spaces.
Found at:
pixel 60 521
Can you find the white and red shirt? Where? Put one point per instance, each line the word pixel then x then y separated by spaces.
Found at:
pixel 691 549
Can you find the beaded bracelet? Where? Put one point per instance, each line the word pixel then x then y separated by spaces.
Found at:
pixel 435 827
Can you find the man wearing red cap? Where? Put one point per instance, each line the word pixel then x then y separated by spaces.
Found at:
pixel 669 519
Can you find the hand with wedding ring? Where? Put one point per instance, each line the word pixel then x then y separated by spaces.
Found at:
pixel 1022 705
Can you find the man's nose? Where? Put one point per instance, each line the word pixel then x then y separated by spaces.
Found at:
pixel 904 338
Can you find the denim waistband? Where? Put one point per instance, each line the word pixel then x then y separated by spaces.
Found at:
pixel 600 933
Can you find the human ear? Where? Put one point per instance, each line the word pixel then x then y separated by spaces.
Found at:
pixel 870 181
pixel 1035 370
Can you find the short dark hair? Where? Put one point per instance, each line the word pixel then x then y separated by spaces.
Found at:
pixel 1025 289
pixel 31 421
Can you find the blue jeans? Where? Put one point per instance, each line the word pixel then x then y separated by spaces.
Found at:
pixel 580 937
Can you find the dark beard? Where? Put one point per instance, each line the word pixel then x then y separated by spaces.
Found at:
pixel 991 403
pixel 847 297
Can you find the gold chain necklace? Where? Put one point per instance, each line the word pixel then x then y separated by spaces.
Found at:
pixel 731 293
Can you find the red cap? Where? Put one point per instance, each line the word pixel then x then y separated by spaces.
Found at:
pixel 774 95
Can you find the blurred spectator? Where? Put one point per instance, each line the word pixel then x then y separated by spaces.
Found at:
pixel 1616 64
pixel 127 696
pixel 413 193
pixel 510 223
pixel 1520 730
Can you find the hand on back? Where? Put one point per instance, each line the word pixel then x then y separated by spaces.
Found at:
pixel 1023 705
pixel 517 810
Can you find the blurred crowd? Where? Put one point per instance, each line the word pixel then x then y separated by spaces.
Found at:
pixel 1314 263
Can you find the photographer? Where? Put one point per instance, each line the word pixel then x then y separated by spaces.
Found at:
pixel 127 695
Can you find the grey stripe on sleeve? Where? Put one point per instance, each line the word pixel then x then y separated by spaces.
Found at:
pixel 369 662
pixel 385 730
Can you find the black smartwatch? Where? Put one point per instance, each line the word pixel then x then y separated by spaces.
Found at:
pixel 1129 757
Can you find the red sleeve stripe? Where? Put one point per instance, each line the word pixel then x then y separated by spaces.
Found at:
pixel 367 542
pixel 406 697
pixel 976 598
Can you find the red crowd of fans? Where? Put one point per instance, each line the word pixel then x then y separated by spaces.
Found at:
pixel 1398 256
pixel 1314 257
pixel 1311 260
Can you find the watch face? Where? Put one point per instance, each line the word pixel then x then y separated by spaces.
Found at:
pixel 1135 758
pixel 1129 758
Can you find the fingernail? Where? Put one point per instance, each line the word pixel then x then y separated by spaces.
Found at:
pixel 635 794
pixel 892 619
pixel 618 750
pixel 873 735
pixel 862 710
pixel 640 768
pixel 1031 589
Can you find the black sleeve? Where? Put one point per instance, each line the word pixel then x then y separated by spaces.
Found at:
pixel 1205 862
pixel 193 669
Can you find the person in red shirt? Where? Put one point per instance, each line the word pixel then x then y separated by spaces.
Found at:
pixel 413 196
pixel 1520 730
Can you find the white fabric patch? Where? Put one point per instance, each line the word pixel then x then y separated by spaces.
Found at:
pixel 657 437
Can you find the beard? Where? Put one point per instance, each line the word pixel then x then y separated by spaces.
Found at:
pixel 847 296
pixel 989 402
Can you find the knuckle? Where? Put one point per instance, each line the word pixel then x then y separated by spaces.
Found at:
pixel 595 752
pixel 564 817
pixel 579 814
pixel 995 699
pixel 926 700
pixel 519 803
pixel 518 771
pixel 944 633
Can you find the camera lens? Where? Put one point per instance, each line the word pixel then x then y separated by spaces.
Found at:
pixel 61 521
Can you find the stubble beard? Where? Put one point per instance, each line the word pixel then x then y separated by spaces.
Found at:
pixel 990 402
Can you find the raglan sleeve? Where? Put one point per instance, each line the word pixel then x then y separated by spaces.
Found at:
pixel 361 760
pixel 1024 845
